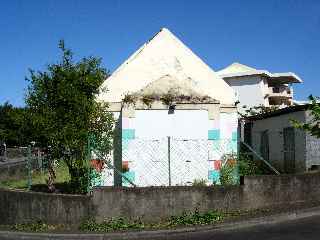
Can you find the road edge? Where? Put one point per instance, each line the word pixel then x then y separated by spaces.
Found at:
pixel 151 234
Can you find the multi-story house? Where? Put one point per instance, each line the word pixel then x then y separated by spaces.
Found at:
pixel 259 87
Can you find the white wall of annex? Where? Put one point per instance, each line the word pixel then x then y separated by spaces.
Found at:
pixel 155 124
pixel 275 126
pixel 249 90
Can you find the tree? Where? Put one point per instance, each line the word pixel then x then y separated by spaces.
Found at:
pixel 6 124
pixel 63 106
pixel 15 129
pixel 313 126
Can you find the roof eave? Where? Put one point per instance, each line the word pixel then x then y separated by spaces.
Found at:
pixel 279 112
pixel 287 77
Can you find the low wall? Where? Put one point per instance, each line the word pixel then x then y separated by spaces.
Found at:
pixel 268 191
pixel 156 203
pixel 22 207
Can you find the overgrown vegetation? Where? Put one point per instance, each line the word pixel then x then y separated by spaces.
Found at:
pixel 228 174
pixel 186 219
pixel 148 100
pixel 195 218
pixel 236 166
pixel 130 99
pixel 167 99
pixel 37 226
pixel 120 224
pixel 247 166
pixel 64 110
pixel 199 182
pixel 313 126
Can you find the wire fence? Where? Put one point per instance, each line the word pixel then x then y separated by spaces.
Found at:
pixel 173 161
pixel 20 163
pixel 10 155
pixel 143 162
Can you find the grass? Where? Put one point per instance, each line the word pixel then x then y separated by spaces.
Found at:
pixel 186 219
pixel 121 224
pixel 38 177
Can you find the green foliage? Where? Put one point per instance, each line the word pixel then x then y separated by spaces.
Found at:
pixel 148 100
pixel 186 219
pixel 15 128
pixel 80 177
pixel 227 174
pixel 110 225
pixel 199 182
pixel 63 107
pixel 196 218
pixel 36 226
pixel 130 99
pixel 38 178
pixel 313 126
pixel 246 166
pixel 167 98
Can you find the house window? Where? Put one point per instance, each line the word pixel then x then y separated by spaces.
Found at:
pixel 276 89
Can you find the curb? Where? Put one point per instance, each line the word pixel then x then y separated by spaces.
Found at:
pixel 152 234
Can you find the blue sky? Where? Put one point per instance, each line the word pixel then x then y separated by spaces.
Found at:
pixel 279 36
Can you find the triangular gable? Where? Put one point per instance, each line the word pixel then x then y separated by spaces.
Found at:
pixel 165 55
pixel 236 68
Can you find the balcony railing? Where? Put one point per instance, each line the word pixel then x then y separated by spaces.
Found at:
pixel 283 92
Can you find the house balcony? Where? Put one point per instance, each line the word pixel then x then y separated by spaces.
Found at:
pixel 280 92
pixel 280 95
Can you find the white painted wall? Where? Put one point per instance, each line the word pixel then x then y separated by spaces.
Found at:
pixel 189 159
pixel 156 124
pixel 228 125
pixel 250 91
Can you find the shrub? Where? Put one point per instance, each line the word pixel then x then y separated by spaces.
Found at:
pixel 228 174
pixel 247 166
pixel 199 182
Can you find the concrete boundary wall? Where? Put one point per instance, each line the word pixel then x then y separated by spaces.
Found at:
pixel 156 203
pixel 23 207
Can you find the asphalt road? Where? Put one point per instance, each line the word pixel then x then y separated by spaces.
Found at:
pixel 302 229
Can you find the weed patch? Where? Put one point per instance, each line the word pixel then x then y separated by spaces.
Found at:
pixel 186 219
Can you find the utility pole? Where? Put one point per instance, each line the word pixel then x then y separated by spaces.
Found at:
pixel 169 160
